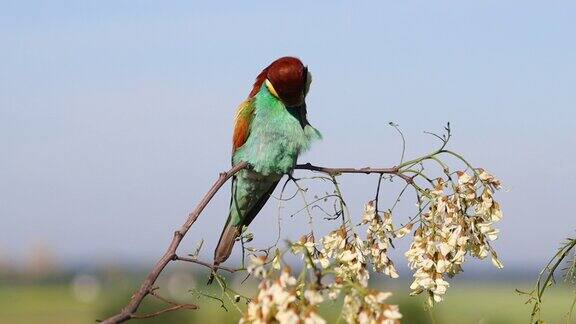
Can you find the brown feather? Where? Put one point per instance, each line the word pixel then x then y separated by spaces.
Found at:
pixel 288 77
pixel 242 124
pixel 258 83
pixel 226 243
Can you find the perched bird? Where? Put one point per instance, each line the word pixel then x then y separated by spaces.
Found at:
pixel 270 131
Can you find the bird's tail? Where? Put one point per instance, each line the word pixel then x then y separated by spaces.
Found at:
pixel 226 243
pixel 224 247
pixel 233 229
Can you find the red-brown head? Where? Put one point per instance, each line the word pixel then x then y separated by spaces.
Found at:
pixel 287 78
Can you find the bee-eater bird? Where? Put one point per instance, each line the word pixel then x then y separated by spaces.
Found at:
pixel 270 131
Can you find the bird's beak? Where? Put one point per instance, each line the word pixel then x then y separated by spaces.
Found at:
pixel 300 113
pixel 296 102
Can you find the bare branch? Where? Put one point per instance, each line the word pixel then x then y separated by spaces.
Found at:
pixel 145 289
pixel 174 306
pixel 206 264
pixel 367 170
pixel 166 310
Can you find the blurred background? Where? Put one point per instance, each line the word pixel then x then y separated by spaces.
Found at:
pixel 116 116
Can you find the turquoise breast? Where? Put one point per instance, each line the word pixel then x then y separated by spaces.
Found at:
pixel 276 137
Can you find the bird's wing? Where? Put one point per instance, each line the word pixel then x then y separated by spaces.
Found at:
pixel 242 121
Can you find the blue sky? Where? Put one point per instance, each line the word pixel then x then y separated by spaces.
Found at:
pixel 115 116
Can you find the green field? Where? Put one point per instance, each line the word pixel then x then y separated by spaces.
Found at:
pixel 472 303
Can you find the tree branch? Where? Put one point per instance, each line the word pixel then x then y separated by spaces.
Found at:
pixel 146 288
pixel 367 170
pixel 129 311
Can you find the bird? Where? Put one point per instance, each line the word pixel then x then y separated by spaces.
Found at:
pixel 271 130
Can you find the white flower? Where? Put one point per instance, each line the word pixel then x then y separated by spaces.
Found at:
pixel 464 178
pixel 256 267
pixel 486 177
pixel 382 296
pixel 369 211
pixel 392 313
pixel 286 279
pixel 288 317
pixel 391 271
pixel 322 260
pixel 442 265
pixel 403 231
pixel 444 248
pixel 495 212
pixel 333 242
pixel 313 297
pixel 347 256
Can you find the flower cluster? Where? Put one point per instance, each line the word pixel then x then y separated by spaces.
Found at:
pixel 454 225
pixel 338 264
pixel 344 256
pixel 379 233
pixel 456 220
pixel 370 309
pixel 280 300
pixel 346 251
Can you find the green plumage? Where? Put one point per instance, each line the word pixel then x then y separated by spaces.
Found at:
pixel 277 135
pixel 276 139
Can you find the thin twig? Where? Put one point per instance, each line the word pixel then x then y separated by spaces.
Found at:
pixel 206 264
pixel 174 306
pixel 166 310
